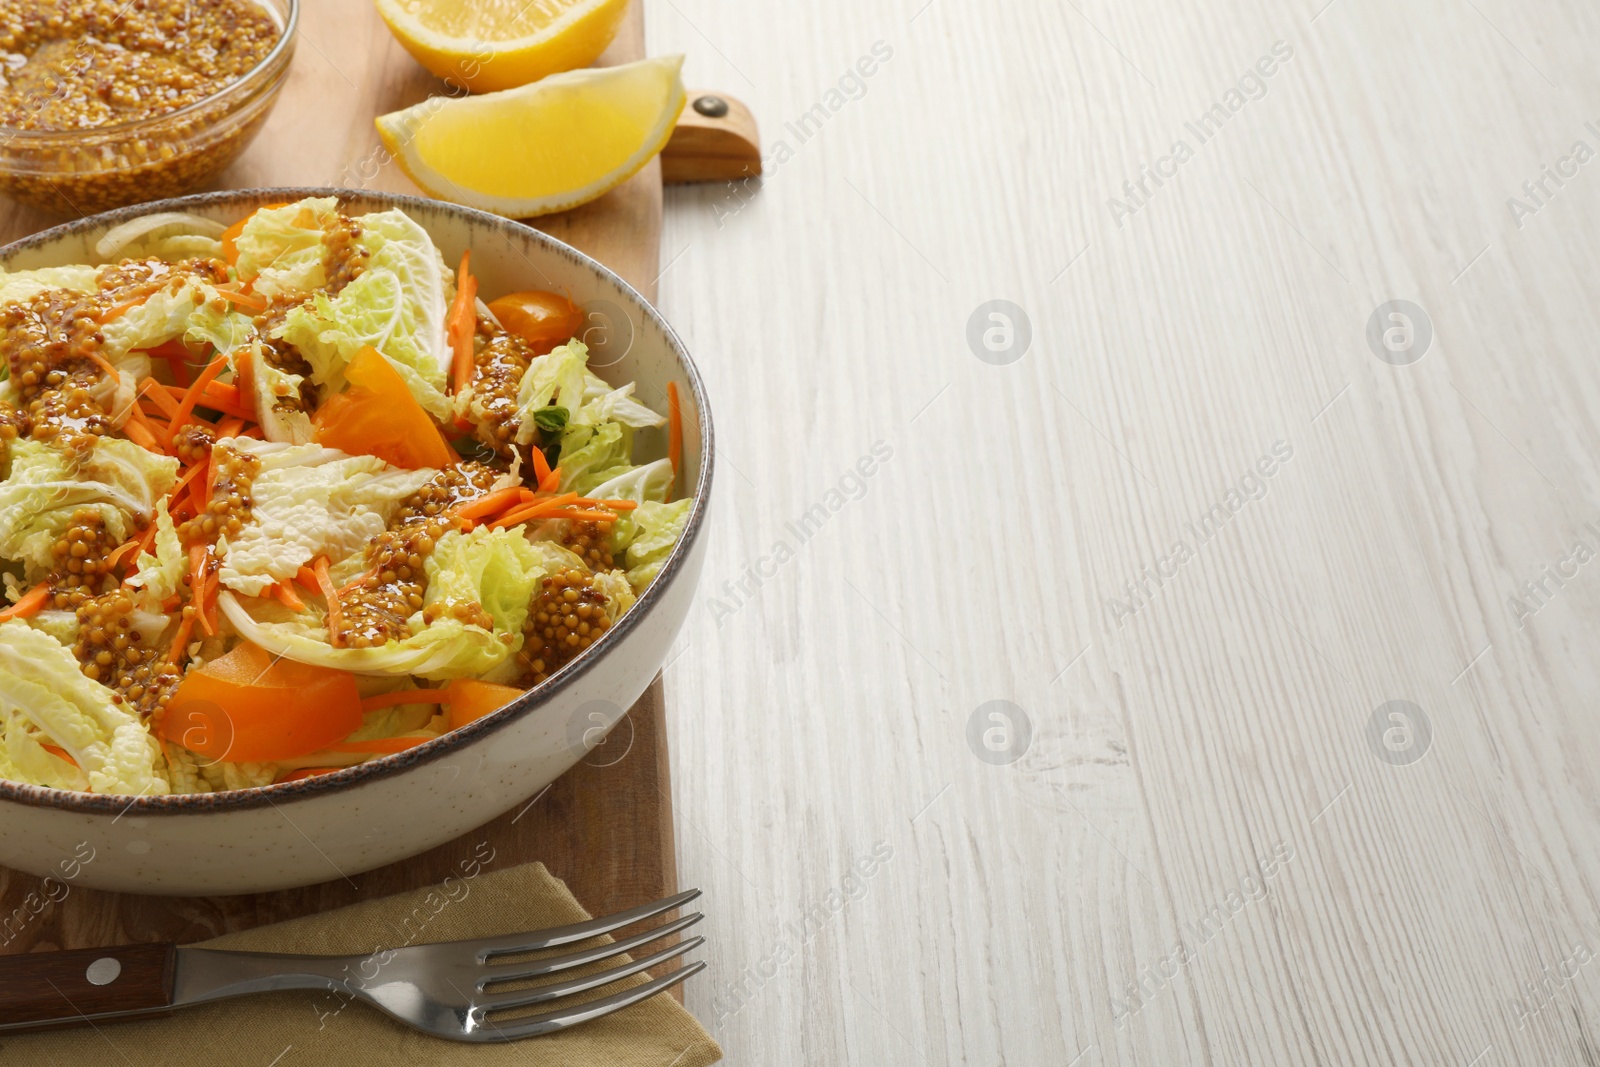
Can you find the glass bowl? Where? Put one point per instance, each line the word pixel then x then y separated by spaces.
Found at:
pixel 79 172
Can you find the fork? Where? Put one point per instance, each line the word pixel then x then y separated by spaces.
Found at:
pixel 443 989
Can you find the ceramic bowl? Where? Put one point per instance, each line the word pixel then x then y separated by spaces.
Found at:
pixel 337 825
pixel 68 172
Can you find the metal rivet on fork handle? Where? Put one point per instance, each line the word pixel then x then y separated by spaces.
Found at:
pixel 712 107
pixel 103 971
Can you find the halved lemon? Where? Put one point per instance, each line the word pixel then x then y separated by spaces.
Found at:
pixel 488 45
pixel 545 147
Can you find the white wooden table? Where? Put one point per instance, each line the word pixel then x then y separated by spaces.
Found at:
pixel 883 890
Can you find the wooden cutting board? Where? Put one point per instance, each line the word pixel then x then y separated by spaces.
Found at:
pixel 605 828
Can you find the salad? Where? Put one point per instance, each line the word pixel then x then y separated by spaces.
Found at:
pixel 288 496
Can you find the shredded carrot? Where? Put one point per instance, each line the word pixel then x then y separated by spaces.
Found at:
pixel 559 501
pixel 197 572
pixel 184 511
pixel 197 576
pixel 550 482
pixel 610 505
pixel 180 640
pixel 199 586
pixel 153 415
pixel 225 392
pixel 192 396
pixel 58 752
pixel 541 467
pixel 382 746
pixel 232 411
pixel 158 395
pixel 356 583
pixel 253 431
pixel 32 602
pixel 674 433
pixel 462 324
pixel 331 595
pixel 183 483
pixel 254 303
pixel 404 696
pixel 489 505
pixel 285 594
pixel 203 495
pixel 220 396
pixel 140 432
pixel 244 376
pixel 116 311
pixel 177 358
pixel 199 499
pixel 525 517
pixel 213 587
pixel 181 374
pixel 147 540
pixel 104 363
pixel 120 551
pixel 533 510
pixel 580 514
pixel 172 602
pixel 230 427
pixel 307 579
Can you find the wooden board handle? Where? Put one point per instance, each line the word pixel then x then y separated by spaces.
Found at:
pixel 40 988
pixel 715 140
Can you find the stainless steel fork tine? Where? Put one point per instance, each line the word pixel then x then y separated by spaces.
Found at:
pixel 582 1013
pixel 515 972
pixel 525 998
pixel 510 944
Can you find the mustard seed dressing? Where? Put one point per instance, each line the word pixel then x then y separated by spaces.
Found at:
pixel 376 610
pixel 111 102
pixel 501 359
pixel 53 346
pixel 114 654
pixel 230 504
pixel 109 647
pixel 567 616
pixel 83 64
pixel 343 258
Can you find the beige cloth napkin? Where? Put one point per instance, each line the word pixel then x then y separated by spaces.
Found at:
pixel 316 1028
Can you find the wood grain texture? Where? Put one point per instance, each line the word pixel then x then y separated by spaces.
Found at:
pixel 65 986
pixel 1438 913
pixel 605 828
pixel 712 148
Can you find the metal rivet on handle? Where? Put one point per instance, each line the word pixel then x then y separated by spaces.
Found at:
pixel 103 971
pixel 712 107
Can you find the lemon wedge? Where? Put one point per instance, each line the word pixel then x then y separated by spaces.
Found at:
pixel 545 147
pixel 488 45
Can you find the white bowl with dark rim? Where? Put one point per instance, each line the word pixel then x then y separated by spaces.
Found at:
pixel 362 817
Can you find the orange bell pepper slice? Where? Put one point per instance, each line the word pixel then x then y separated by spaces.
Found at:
pixel 249 706
pixel 468 700
pixel 378 416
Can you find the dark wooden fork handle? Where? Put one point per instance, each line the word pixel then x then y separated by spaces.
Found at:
pixel 40 988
